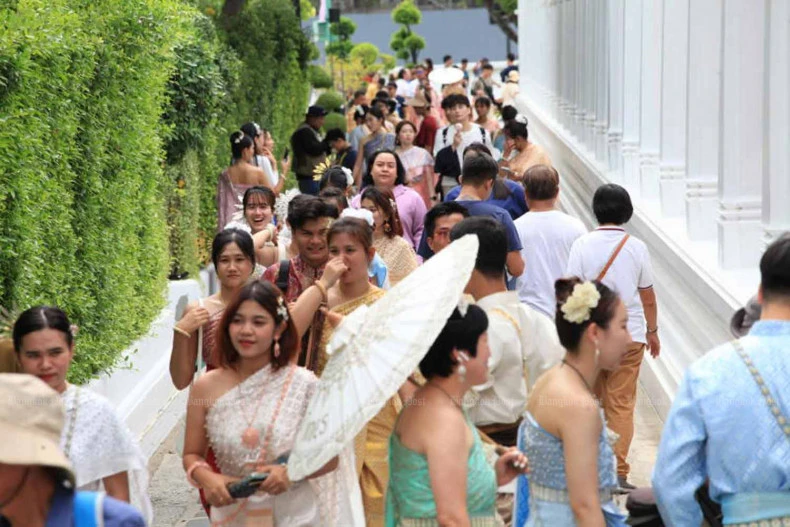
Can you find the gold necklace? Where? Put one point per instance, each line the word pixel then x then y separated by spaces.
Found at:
pixel 574 368
pixel 452 399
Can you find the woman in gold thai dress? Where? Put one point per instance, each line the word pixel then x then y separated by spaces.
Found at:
pixel 344 287
pixel 388 239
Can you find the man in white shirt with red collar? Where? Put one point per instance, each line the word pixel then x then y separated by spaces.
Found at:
pixel 622 262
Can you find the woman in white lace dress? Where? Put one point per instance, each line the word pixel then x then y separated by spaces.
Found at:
pixel 100 447
pixel 249 411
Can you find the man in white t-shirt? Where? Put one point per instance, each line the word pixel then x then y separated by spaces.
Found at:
pixel 407 86
pixel 621 262
pixel 547 235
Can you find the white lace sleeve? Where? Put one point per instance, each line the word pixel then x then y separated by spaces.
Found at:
pixel 102 445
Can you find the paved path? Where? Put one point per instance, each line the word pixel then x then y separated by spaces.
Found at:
pixel 175 502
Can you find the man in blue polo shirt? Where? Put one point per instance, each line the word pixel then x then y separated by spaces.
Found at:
pixel 478 176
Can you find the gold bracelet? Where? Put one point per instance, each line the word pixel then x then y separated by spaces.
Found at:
pixel 321 288
pixel 179 330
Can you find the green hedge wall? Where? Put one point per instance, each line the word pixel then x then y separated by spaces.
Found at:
pixel 274 51
pixel 114 117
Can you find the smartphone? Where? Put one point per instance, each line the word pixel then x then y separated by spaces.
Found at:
pixel 248 486
pixel 285 155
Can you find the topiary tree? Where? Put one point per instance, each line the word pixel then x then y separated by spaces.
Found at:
pixel 334 120
pixel 330 101
pixel 319 78
pixel 343 30
pixel 404 42
pixel 366 52
pixel 387 61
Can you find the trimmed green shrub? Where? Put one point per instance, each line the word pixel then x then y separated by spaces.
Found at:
pixel 330 101
pixel 115 121
pixel 319 77
pixel 268 39
pixel 81 173
pixel 334 120
pixel 198 94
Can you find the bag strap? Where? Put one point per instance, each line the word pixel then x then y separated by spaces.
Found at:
pixel 282 275
pixel 507 316
pixel 781 420
pixel 612 258
pixel 88 509
pixel 444 134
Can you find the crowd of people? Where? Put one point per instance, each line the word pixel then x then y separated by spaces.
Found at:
pixel 522 409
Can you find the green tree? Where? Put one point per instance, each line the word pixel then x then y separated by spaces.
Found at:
pixel 404 42
pixel 387 61
pixel 366 52
pixel 343 30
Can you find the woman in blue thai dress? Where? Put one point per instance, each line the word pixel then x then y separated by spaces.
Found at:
pixel 378 139
pixel 439 474
pixel 564 432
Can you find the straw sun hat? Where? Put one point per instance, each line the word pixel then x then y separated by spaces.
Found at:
pixel 31 418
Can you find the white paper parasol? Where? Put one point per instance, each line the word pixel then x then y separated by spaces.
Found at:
pixel 442 76
pixel 374 350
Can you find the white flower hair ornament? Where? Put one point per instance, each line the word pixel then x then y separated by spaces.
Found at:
pixel 349 176
pixel 282 311
pixel 522 119
pixel 239 137
pixel 463 305
pixel 360 214
pixel 578 307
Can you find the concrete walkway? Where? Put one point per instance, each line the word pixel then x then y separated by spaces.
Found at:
pixel 176 503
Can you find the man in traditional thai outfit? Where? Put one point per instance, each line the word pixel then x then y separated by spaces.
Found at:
pixel 730 421
pixel 308 218
pixel 523 343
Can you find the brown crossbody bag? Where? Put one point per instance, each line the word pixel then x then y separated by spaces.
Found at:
pixel 612 258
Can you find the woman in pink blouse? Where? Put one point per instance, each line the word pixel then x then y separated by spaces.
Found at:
pixel 386 172
pixel 417 162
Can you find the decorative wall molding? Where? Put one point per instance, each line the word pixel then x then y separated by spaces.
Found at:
pixel 694 305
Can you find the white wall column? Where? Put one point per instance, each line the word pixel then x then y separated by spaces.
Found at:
pixel 776 176
pixel 601 82
pixel 567 71
pixel 652 21
pixel 581 70
pixel 702 146
pixel 553 57
pixel 590 64
pixel 742 132
pixel 616 32
pixel 674 83
pixel 632 73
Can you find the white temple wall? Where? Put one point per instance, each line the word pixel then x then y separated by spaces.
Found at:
pixel 686 103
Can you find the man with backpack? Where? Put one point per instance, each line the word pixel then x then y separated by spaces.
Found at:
pixel 452 139
pixel 308 218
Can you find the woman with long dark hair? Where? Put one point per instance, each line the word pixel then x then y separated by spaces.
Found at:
pixel 249 411
pixel 388 239
pixel 386 172
pixel 237 178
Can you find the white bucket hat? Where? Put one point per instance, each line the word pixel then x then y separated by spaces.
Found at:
pixel 31 418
